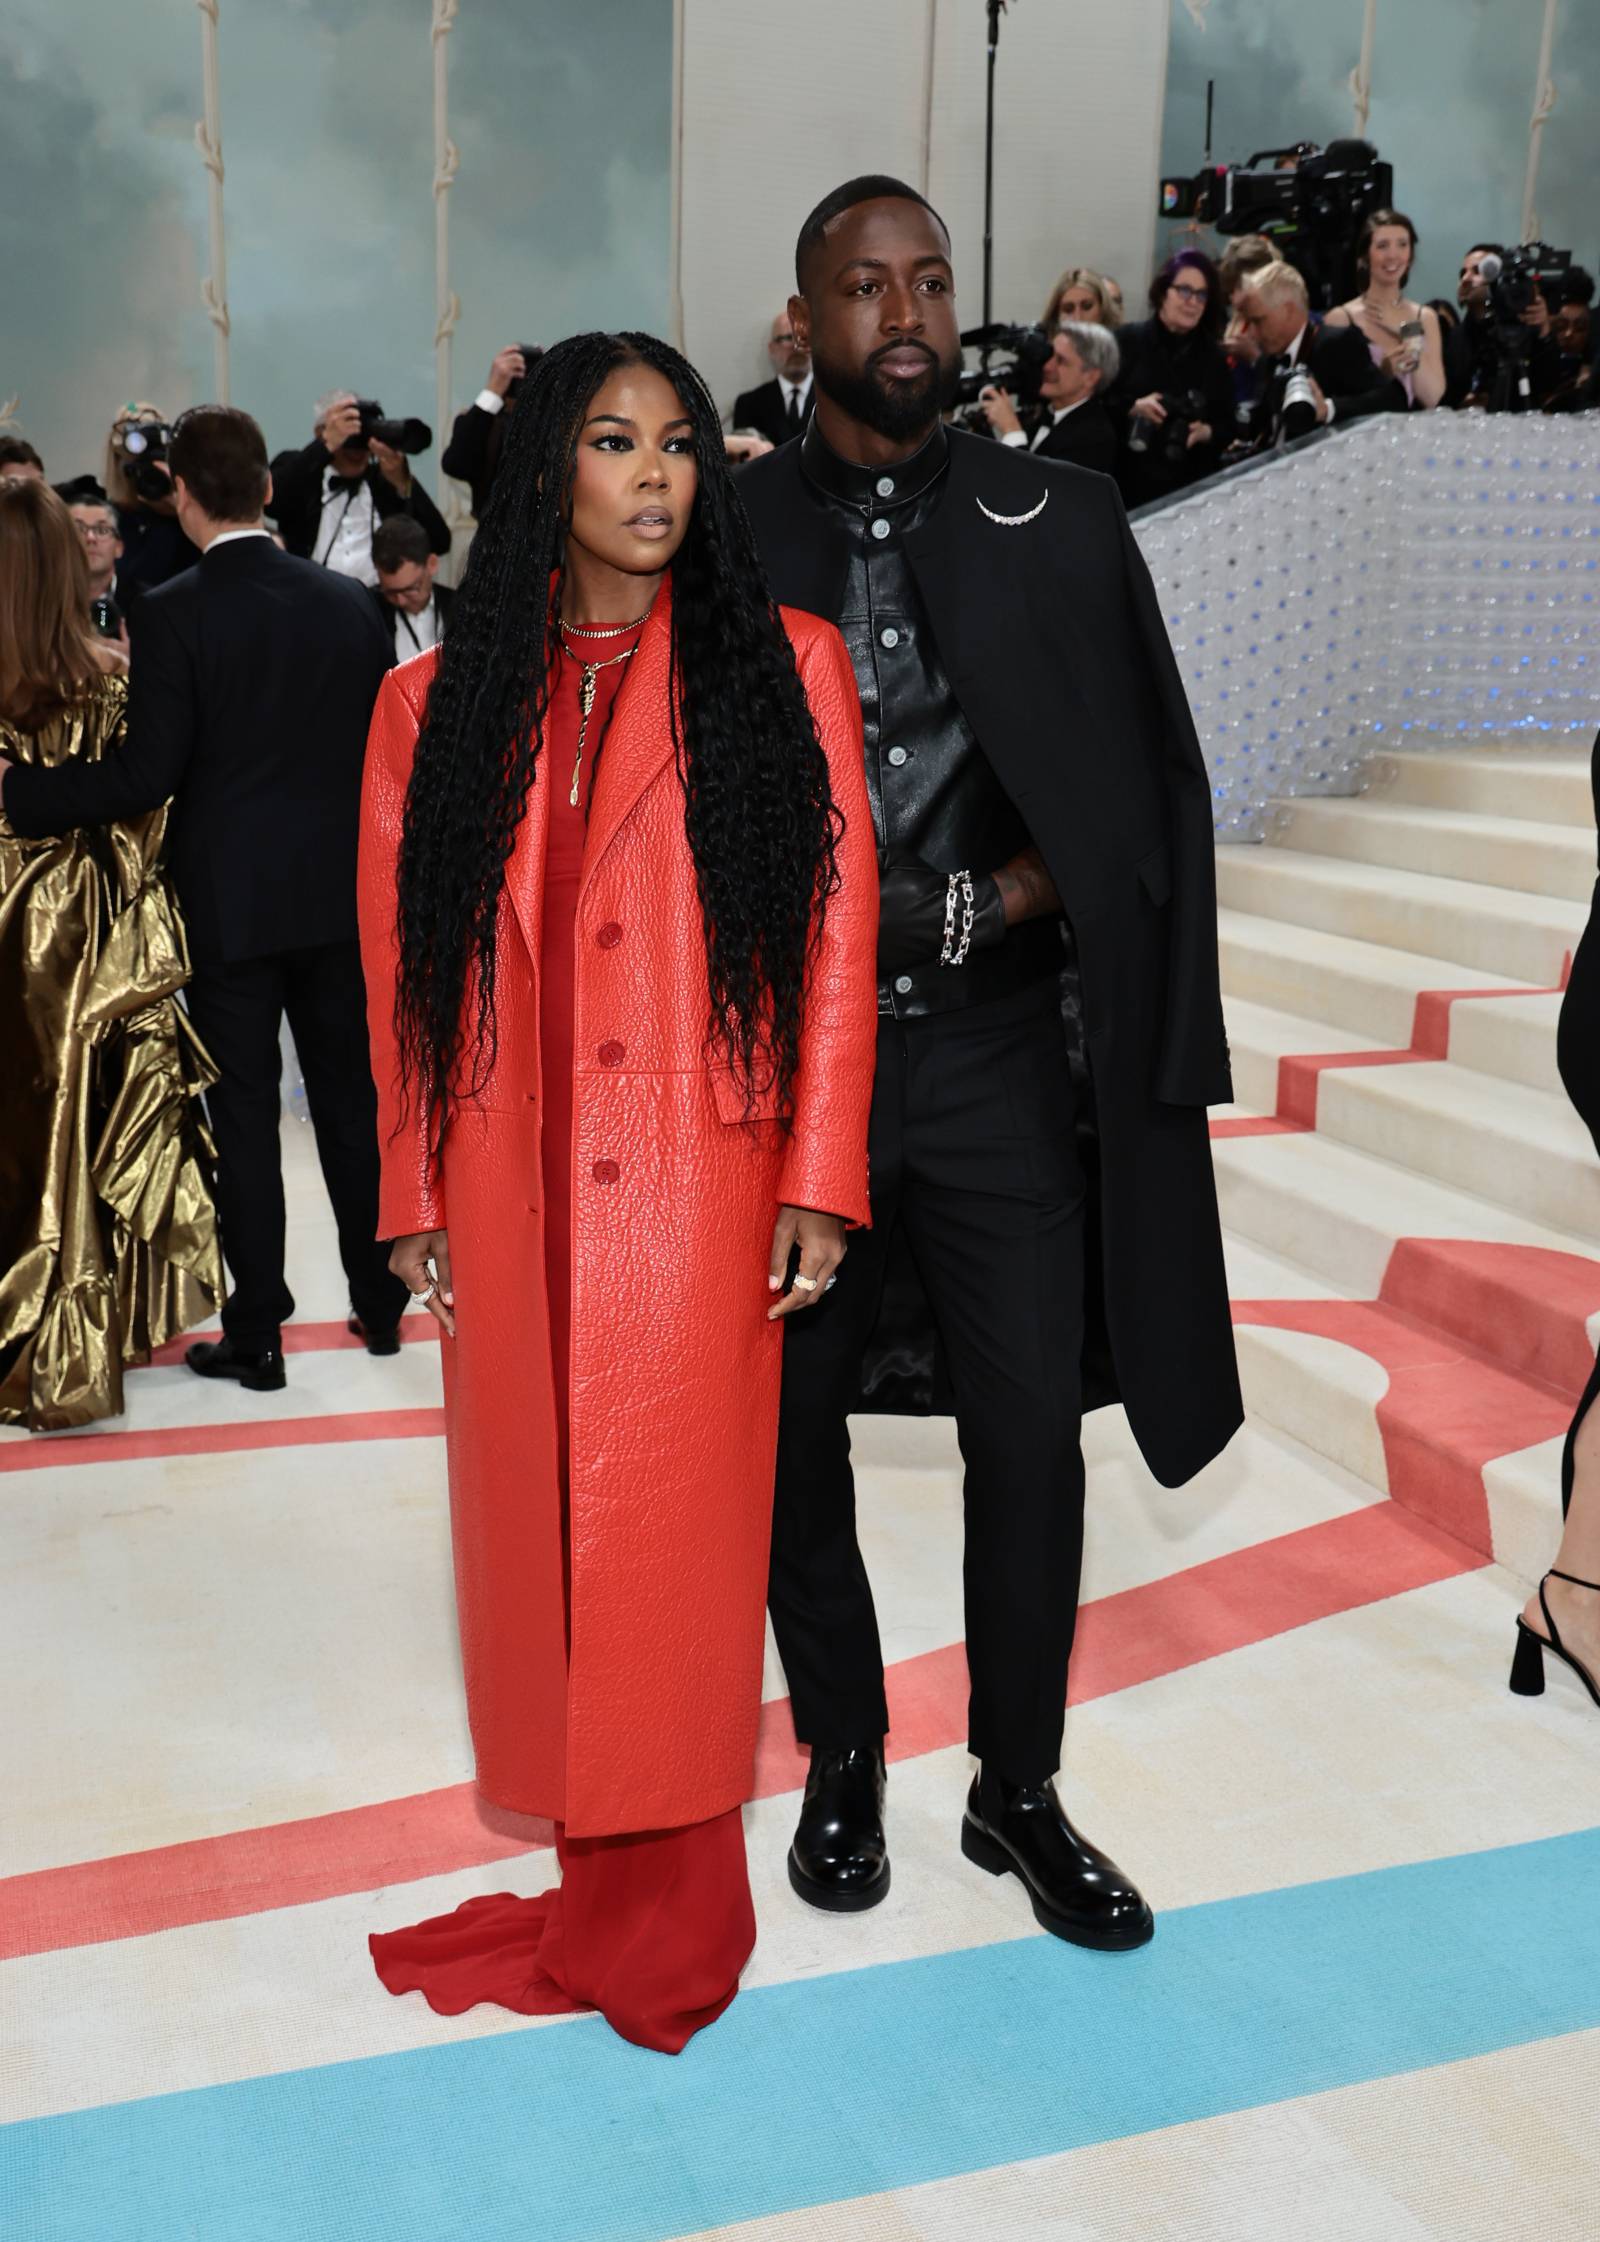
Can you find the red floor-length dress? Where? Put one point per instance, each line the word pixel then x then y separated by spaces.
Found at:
pixel 653 1928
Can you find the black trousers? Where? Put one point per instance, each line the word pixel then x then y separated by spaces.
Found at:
pixel 238 1010
pixel 972 1151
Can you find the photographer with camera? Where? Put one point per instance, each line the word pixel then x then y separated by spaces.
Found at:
pixel 95 520
pixel 1173 401
pixel 1402 337
pixel 1314 376
pixel 1072 423
pixel 1568 383
pixel 472 455
pixel 328 499
pixel 1506 297
pixel 138 482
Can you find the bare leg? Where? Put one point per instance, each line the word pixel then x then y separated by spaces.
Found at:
pixel 1576 1611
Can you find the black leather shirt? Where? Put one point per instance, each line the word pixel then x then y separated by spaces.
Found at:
pixel 934 793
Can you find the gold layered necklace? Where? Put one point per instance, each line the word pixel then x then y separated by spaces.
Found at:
pixel 587 683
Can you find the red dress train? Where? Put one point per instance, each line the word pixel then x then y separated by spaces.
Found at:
pixel 652 1928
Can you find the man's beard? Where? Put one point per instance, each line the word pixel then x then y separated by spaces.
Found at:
pixel 889 407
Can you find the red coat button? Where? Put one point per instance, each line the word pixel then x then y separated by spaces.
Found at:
pixel 609 935
pixel 612 1054
pixel 607 1171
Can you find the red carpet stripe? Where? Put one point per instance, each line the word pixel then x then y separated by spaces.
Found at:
pixel 299 1339
pixel 1136 1636
pixel 42 1452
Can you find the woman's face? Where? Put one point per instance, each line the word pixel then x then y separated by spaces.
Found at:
pixel 635 476
pixel 1080 302
pixel 1184 304
pixel 1389 257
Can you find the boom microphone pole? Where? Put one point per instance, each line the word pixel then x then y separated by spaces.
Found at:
pixel 996 10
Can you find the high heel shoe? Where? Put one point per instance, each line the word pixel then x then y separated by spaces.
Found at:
pixel 1527 1664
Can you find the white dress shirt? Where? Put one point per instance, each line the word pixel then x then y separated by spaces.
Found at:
pixel 795 393
pixel 1017 438
pixel 232 536
pixel 415 634
pixel 344 535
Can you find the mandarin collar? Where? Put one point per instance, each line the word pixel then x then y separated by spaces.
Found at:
pixel 881 488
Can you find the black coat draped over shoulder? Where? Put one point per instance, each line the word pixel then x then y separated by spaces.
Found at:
pixel 1049 630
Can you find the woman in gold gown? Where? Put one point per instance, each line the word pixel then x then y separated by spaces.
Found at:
pixel 108 1238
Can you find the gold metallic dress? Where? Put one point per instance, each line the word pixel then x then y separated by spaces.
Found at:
pixel 108 1234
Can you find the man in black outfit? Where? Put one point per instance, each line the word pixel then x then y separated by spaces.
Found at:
pixel 781 408
pixel 329 498
pixel 1345 384
pixel 478 435
pixel 253 679
pixel 1072 422
pixel 410 602
pixel 1039 798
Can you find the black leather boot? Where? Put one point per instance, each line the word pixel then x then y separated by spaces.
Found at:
pixel 839 1860
pixel 220 1358
pixel 376 1342
pixel 1076 1892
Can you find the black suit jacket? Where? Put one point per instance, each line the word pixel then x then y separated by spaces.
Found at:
pixel 296 503
pixel 400 647
pixel 251 686
pixel 763 410
pixel 1341 364
pixel 1086 438
pixel 1049 630
pixel 472 455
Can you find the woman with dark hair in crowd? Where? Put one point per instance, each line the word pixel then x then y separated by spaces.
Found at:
pixel 1404 337
pixel 619 908
pixel 1174 398
pixel 108 1241
pixel 1084 295
pixel 154 547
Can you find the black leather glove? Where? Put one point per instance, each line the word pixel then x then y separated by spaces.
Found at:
pixel 911 914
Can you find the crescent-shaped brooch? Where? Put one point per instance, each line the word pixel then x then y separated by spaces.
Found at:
pixel 1015 521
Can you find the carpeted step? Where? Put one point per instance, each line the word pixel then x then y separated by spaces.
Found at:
pixel 1551 787
pixel 1514 853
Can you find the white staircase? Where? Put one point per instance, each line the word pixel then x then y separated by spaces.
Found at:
pixel 1429 1166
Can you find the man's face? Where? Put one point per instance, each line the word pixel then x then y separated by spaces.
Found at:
pixel 97 526
pixel 1066 380
pixel 1273 320
pixel 1571 329
pixel 410 586
pixel 789 357
pixel 1472 290
pixel 879 316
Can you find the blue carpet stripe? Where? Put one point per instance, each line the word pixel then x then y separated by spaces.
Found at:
pixel 841 2086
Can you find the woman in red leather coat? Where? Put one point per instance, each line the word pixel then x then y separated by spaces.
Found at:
pixel 619 907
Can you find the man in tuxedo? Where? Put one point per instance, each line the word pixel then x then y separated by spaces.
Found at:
pixel 477 439
pixel 1072 422
pixel 1274 308
pixel 329 498
pixel 413 607
pixel 780 408
pixel 253 680
pixel 1039 798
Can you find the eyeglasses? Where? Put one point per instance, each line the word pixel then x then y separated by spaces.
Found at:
pixel 97 529
pixel 1194 295
pixel 780 342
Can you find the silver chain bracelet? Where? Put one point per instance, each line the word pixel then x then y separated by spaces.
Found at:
pixel 954 952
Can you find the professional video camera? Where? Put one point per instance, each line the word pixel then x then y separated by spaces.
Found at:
pixel 410 436
pixel 1310 205
pixel 1027 354
pixel 1532 269
pixel 144 445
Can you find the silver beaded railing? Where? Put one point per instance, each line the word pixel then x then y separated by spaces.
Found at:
pixel 1413 581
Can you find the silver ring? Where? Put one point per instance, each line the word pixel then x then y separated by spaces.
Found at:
pixel 419 1297
pixel 805 1284
pixel 832 1281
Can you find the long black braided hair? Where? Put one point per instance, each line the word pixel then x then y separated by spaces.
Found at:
pixel 758 813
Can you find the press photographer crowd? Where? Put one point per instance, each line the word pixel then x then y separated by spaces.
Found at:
pixel 1301 326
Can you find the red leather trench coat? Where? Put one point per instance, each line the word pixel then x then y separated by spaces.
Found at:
pixel 650 1722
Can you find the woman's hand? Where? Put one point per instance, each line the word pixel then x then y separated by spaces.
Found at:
pixel 999 411
pixel 820 1238
pixel 409 1259
pixel 1150 408
pixel 1200 432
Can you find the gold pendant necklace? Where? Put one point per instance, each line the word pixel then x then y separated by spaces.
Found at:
pixel 587 685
